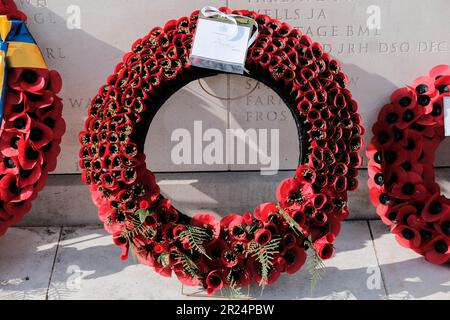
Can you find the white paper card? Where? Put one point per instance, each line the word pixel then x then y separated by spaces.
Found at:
pixel 447 116
pixel 220 46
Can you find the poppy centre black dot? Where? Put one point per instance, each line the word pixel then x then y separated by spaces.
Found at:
pixel 31 154
pixel 9 163
pixel 29 76
pixel 34 97
pixel 443 89
pixel 25 173
pixel 49 122
pixel 411 144
pixel 47 147
pixel 392 216
pixel 398 134
pixel 435 208
pixel 392 117
pixel 424 100
pixel 408 234
pixel 437 110
pixel 14 142
pixel 441 246
pixel 383 137
pixel 408 188
pixel 36 134
pixel 421 88
pixel 407 166
pixel 13 188
pixel 378 157
pixel 390 156
pixel 384 199
pixel 18 108
pixel 405 102
pixel 408 116
pixel 425 234
pixel 445 227
pixel 20 123
pixel 379 180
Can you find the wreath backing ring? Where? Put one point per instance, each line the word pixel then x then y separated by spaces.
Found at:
pixel 238 249
pixel 32 124
pixel 402 178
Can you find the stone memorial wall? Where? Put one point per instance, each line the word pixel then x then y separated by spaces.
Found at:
pixel 382 44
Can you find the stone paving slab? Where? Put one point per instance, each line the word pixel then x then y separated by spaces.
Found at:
pixel 86 265
pixel 407 275
pixel 346 275
pixel 26 262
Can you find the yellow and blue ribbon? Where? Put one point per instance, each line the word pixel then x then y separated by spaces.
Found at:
pixel 18 49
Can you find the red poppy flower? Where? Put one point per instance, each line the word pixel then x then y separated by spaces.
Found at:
pixel 41 99
pixel 9 165
pixel 305 174
pixel 324 246
pixel 440 71
pixel 39 135
pixel 407 236
pixel 409 185
pixel 10 192
pixel 51 152
pixel 207 220
pixel 390 114
pixel 443 225
pixel 235 225
pixel 263 236
pixel 29 79
pixel 121 241
pixel 214 282
pixel 9 144
pixel 404 97
pixel 409 116
pixel 29 177
pixel 229 258
pixel 19 123
pixel 9 8
pixel 264 211
pixel 291 191
pixel 17 210
pixel 295 258
pixel 170 213
pixel 274 273
pixel 383 135
pixel 438 250
pixel 435 208
pixel 424 85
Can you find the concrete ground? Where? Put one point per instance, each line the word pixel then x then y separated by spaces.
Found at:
pixel 83 263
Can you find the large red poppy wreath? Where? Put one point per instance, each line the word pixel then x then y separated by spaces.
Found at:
pixel 236 250
pixel 402 179
pixel 32 124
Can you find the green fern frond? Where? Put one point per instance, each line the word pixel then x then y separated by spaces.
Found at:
pixel 188 265
pixel 265 255
pixel 316 267
pixel 232 291
pixel 163 259
pixel 298 230
pixel 196 237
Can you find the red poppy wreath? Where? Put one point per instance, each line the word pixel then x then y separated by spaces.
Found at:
pixel 32 125
pixel 236 250
pixel 402 180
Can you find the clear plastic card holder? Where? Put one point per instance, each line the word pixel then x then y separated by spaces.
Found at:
pixel 221 43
